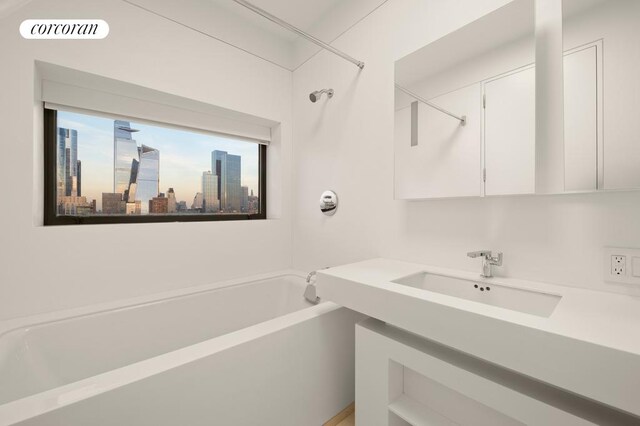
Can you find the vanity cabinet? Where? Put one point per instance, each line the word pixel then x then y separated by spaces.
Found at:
pixel 403 379
pixel 521 351
pixel 509 142
pixel 482 73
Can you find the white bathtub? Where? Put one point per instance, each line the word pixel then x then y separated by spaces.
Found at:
pixel 237 353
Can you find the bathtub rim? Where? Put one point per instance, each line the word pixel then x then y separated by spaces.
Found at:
pixel 14 324
pixel 49 400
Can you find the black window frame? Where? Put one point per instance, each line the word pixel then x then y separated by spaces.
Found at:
pixel 51 218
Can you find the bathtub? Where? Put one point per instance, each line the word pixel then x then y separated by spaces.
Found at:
pixel 244 352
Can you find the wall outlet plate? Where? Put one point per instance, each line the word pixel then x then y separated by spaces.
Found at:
pixel 621 265
pixel 618 264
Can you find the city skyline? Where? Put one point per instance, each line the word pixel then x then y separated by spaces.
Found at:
pixel 185 156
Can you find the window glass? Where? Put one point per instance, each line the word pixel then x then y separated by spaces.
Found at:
pixel 109 167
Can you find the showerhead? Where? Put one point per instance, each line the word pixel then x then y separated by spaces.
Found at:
pixel 315 96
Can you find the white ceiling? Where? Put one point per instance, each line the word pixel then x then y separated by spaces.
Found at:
pixel 302 14
pixel 233 24
pixel 238 26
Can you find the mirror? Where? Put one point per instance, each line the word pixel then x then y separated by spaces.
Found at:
pixel 465 110
pixel 601 94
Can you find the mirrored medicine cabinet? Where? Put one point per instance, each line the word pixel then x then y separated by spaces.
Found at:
pixel 465 104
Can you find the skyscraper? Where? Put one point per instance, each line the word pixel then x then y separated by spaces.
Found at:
pixel 147 178
pixel 136 172
pixel 219 168
pixel 125 156
pixel 68 179
pixel 210 201
pixel 228 168
pixel 79 174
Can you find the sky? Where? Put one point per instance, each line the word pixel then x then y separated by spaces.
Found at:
pixel 184 155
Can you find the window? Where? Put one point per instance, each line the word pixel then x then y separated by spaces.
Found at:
pixel 116 170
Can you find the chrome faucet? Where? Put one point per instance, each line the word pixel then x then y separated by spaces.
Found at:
pixel 488 259
pixel 310 290
pixel 311 274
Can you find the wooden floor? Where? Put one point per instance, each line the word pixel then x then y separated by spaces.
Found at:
pixel 349 421
pixel 346 417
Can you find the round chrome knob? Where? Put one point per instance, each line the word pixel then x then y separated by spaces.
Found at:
pixel 328 203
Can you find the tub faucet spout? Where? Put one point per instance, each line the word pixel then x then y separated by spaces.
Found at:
pixel 310 291
pixel 311 274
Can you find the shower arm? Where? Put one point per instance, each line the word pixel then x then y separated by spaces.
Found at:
pixel 298 31
pixel 463 119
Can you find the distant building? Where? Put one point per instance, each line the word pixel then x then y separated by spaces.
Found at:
pixel 172 206
pixel 254 203
pixel 182 206
pixel 228 169
pixel 73 205
pixel 133 208
pixel 244 202
pixel 159 205
pixel 210 202
pixel 197 202
pixel 112 203
pixel 79 177
pixel 84 210
pixel 67 164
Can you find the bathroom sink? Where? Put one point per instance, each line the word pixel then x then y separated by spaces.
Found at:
pixel 515 299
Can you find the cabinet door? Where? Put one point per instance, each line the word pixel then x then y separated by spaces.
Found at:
pixel 581 120
pixel 509 134
pixel 436 157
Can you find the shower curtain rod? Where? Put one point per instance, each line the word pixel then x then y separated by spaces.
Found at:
pixel 298 31
pixel 463 119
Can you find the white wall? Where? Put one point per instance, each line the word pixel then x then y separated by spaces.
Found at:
pixel 346 144
pixel 49 268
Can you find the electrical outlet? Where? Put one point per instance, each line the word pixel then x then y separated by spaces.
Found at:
pixel 618 265
pixel 621 265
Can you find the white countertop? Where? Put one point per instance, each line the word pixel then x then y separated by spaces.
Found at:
pixel 589 345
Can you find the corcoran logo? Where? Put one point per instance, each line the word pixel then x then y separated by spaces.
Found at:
pixel 64 29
